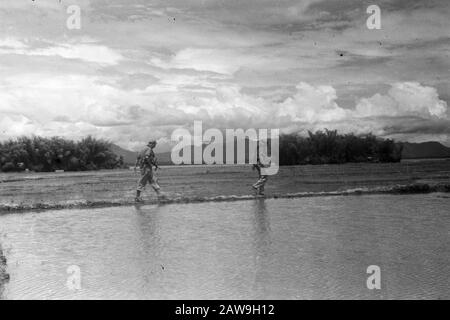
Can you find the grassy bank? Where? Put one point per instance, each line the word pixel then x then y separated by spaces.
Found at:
pixel 25 192
pixel 416 188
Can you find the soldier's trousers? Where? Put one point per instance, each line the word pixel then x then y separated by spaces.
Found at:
pixel 147 177
pixel 259 185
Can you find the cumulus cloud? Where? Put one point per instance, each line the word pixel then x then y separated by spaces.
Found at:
pixel 407 98
pixel 86 52
pixel 312 104
pixel 16 125
pixel 12 43
pixel 74 106
pixel 134 71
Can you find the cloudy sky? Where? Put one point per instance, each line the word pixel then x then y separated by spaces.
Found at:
pixel 139 69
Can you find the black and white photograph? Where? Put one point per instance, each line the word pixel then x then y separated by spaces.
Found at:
pixel 224 150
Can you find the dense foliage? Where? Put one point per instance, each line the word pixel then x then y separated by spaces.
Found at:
pixel 330 147
pixel 50 154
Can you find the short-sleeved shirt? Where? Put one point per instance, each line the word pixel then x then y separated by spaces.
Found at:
pixel 264 161
pixel 147 158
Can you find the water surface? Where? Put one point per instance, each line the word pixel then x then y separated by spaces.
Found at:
pixel 263 249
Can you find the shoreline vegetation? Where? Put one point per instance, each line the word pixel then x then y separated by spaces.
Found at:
pixel 52 154
pixel 329 147
pixel 40 154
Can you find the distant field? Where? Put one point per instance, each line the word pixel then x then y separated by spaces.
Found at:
pixel 29 189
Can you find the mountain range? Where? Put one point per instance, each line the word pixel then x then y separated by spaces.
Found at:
pixel 129 157
pixel 424 150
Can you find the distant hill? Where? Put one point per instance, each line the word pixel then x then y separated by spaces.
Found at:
pixel 164 158
pixel 410 151
pixel 129 157
pixel 424 150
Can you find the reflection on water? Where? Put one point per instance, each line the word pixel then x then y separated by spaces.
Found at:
pixel 279 248
pixel 4 276
pixel 261 236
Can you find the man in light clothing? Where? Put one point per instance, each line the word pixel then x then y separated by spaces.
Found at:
pixel 146 160
pixel 262 161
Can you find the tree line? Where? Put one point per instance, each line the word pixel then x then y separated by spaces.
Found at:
pixel 323 147
pixel 50 154
pixel 320 147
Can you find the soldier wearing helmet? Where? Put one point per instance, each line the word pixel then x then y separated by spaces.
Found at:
pixel 146 160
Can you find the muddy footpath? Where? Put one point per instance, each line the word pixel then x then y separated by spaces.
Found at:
pixel 22 192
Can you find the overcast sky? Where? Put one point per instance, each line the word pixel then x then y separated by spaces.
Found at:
pixel 139 69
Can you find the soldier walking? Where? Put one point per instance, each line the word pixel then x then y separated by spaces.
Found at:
pixel 146 160
pixel 262 161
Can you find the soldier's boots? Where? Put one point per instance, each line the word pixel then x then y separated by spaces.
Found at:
pixel 160 195
pixel 259 190
pixel 138 197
